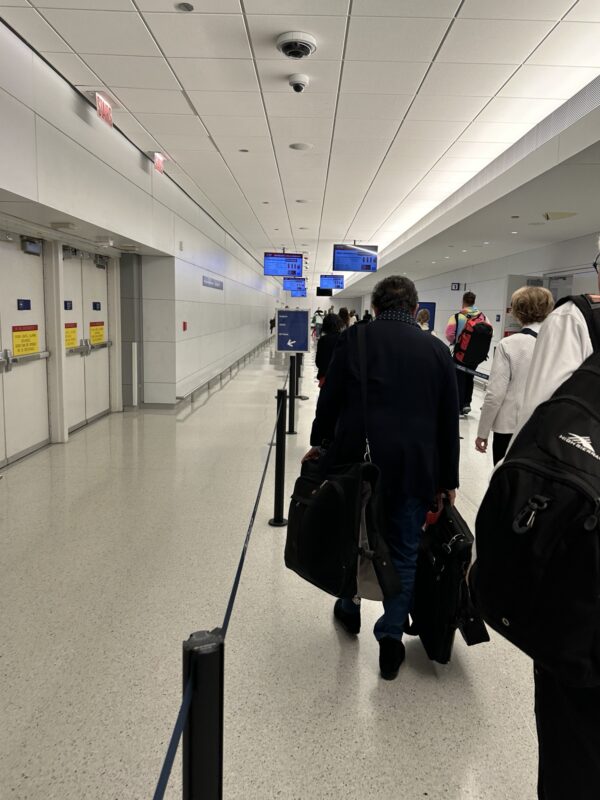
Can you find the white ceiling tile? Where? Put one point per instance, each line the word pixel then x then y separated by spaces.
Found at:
pixel 110 32
pixel 133 72
pixel 89 5
pixel 454 164
pixel 355 128
pixel 442 131
pixel 405 8
pixel 548 82
pixel 571 44
pixel 355 148
pixel 489 150
pixel 373 106
pixel 414 154
pixel 231 126
pixel 526 110
pixel 495 41
pixel 234 143
pixel 383 77
pixel 328 31
pixel 23 3
pixel 585 11
pixel 172 124
pixel 515 9
pixel 200 6
pixel 495 132
pixel 446 107
pixel 148 101
pixel 399 39
pixel 179 142
pixel 192 35
pixel 274 75
pixel 226 104
pixel 316 7
pixel 216 74
pixel 72 68
pixel 301 129
pixel 306 104
pixel 134 131
pixel 462 79
pixel 35 30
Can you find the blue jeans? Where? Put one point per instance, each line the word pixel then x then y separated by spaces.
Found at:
pixel 406 517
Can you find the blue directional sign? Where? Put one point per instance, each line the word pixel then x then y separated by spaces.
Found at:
pixel 292 331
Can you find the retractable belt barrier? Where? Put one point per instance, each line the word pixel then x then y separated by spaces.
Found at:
pixel 200 716
pixel 472 371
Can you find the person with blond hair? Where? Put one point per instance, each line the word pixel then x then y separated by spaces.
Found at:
pixel 505 394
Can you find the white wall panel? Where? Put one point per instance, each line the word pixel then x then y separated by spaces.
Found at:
pixel 17 148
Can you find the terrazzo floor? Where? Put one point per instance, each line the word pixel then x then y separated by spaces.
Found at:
pixel 118 545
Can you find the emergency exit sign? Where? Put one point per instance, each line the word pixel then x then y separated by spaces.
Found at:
pixel 104 109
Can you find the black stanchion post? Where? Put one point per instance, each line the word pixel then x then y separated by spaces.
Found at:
pixel 279 520
pixel 299 374
pixel 202 755
pixel 292 396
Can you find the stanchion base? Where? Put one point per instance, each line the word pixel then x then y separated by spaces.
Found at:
pixel 302 397
pixel 278 523
pixel 291 433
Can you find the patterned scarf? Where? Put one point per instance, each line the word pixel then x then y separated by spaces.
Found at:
pixel 398 315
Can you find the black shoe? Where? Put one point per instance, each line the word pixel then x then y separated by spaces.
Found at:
pixel 349 622
pixel 391 656
pixel 466 410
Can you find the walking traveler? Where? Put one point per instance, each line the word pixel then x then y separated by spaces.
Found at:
pixel 412 422
pixel 353 317
pixel 345 317
pixel 367 316
pixel 470 333
pixel 332 325
pixel 530 305
pixel 317 321
pixel 423 318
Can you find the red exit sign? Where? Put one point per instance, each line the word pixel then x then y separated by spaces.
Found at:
pixel 104 109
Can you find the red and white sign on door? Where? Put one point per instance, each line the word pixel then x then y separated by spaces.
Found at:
pixel 104 109
pixel 159 162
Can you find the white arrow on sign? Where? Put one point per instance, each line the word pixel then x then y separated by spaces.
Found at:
pixel 291 343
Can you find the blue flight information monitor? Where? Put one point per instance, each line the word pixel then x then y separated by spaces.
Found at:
pixel 286 265
pixel 355 257
pixel 299 293
pixel 294 284
pixel 331 282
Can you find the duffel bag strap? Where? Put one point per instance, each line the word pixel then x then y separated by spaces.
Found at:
pixel 362 365
pixel 589 305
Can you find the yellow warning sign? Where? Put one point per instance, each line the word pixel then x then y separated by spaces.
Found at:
pixel 71 339
pixel 96 332
pixel 25 340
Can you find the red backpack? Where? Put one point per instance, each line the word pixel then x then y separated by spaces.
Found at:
pixel 473 344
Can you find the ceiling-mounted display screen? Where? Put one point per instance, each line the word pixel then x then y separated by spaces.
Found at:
pixel 287 265
pixel 294 284
pixel 299 293
pixel 331 282
pixel 324 292
pixel 355 257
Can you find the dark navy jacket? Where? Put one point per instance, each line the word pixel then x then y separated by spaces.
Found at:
pixel 412 408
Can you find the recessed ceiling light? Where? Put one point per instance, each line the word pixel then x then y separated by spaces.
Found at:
pixel 486 242
pixel 515 216
pixel 433 262
pixel 302 201
pixel 446 256
pixel 243 150
pixel 301 146
pixel 463 251
pixel 265 202
pixel 184 7
pixel 302 229
pixel 514 231
pixel 275 229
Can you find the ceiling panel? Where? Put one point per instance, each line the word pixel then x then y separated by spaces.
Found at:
pixel 133 72
pixel 477 149
pixel 200 6
pixel 395 39
pixel 231 143
pixel 585 11
pixel 548 82
pixel 446 107
pixel 110 32
pixel 421 130
pixel 206 35
pixel 328 31
pixel 383 77
pixel 405 8
pixel 307 104
pixel 274 75
pixel 495 132
pixel 35 30
pixel 148 101
pixel 227 104
pixel 172 124
pixel 301 129
pixel 134 131
pixel 516 9
pixel 572 44
pixel 72 67
pixel 216 74
pixel 486 41
pixel 90 5
pixel 355 128
pixel 419 154
pixel 527 110
pixel 234 126
pixel 373 106
pixel 316 7
pixel 463 80
pixel 456 164
pixel 175 141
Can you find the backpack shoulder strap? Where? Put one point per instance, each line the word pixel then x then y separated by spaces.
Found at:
pixel 361 336
pixel 589 305
pixel 529 332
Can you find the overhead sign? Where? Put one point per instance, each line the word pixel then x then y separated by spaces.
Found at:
pixel 212 283
pixel 96 332
pixel 104 109
pixel 159 162
pixel 71 339
pixel 25 340
pixel 292 331
pixel 455 287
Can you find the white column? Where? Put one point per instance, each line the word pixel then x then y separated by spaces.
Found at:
pixel 55 327
pixel 114 327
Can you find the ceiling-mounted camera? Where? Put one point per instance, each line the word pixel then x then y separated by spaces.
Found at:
pixel 299 82
pixel 296 44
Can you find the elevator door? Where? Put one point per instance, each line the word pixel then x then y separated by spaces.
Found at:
pixel 86 340
pixel 24 390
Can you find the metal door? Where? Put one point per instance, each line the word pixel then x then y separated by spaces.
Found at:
pixel 24 392
pixel 86 338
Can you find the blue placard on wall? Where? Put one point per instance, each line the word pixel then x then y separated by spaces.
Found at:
pixel 96 305
pixel 292 331
pixel 23 304
pixel 68 305
pixel 431 308
pixel 212 283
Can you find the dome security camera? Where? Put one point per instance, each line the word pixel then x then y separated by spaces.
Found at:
pixel 296 44
pixel 299 82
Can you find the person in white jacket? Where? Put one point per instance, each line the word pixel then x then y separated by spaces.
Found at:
pixel 505 394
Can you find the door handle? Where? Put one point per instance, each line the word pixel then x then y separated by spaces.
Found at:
pixel 11 360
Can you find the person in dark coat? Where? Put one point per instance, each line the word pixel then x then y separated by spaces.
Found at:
pixel 412 423
pixel 332 325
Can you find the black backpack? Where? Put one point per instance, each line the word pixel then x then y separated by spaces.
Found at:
pixel 536 580
pixel 473 344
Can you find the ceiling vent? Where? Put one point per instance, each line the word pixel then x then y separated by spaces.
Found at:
pixel 552 216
